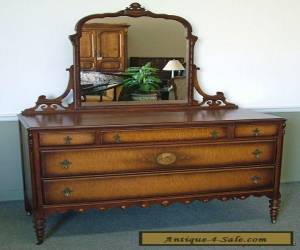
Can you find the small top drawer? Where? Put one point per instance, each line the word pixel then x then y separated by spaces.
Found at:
pixel 159 135
pixel 67 138
pixel 255 130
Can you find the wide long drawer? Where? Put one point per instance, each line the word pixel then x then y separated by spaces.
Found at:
pixel 158 135
pixel 125 187
pixel 134 159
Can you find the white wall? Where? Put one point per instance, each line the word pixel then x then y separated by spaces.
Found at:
pixel 250 49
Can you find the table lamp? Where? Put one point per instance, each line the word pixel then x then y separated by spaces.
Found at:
pixel 173 65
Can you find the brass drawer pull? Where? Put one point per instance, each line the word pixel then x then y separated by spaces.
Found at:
pixel 256 132
pixel 257 153
pixel 68 140
pixel 255 179
pixel 117 138
pixel 214 134
pixel 67 192
pixel 166 158
pixel 66 164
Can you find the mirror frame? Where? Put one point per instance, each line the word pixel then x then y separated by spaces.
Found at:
pixel 134 10
pixel 61 104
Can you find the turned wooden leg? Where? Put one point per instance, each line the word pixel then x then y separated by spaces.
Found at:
pixel 274 209
pixel 39 226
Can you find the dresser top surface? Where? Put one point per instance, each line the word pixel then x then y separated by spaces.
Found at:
pixel 93 119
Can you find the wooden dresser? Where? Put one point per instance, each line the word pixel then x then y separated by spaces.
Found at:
pixel 82 161
pixel 121 154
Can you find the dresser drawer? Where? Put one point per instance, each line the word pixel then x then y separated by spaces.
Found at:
pixel 66 138
pixel 160 185
pixel 135 159
pixel 255 130
pixel 156 135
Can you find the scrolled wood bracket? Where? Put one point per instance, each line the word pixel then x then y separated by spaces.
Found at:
pixel 59 104
pixel 217 101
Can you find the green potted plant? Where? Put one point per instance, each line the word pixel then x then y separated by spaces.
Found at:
pixel 141 83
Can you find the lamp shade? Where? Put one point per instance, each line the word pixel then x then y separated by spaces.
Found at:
pixel 173 65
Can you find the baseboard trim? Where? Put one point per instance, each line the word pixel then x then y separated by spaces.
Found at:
pixel 278 110
pixel 8 117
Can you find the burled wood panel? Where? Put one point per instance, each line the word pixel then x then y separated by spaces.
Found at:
pixel 125 159
pixel 126 187
pixel 256 130
pixel 67 138
pixel 155 135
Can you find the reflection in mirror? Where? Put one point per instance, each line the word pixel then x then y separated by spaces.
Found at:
pixel 127 60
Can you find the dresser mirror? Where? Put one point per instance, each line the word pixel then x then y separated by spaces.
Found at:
pixel 132 60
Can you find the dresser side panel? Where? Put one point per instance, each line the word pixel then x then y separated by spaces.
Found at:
pixel 26 164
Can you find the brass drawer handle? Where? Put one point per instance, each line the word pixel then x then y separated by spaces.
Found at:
pixel 255 179
pixel 256 132
pixel 66 164
pixel 214 134
pixel 257 153
pixel 117 138
pixel 67 192
pixel 166 158
pixel 68 139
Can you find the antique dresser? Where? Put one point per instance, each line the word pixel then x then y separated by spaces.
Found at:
pixel 130 153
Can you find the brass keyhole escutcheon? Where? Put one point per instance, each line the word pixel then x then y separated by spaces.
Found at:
pixel 68 140
pixel 255 179
pixel 257 153
pixel 256 132
pixel 67 192
pixel 166 158
pixel 214 134
pixel 117 138
pixel 66 164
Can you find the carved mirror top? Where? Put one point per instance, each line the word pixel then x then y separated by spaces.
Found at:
pixel 115 69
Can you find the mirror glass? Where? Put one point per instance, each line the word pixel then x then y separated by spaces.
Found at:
pixel 126 60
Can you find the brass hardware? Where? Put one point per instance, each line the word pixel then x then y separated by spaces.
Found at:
pixel 166 158
pixel 165 203
pixel 214 134
pixel 256 132
pixel 117 138
pixel 255 179
pixel 67 192
pixel 68 140
pixel 66 164
pixel 257 153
